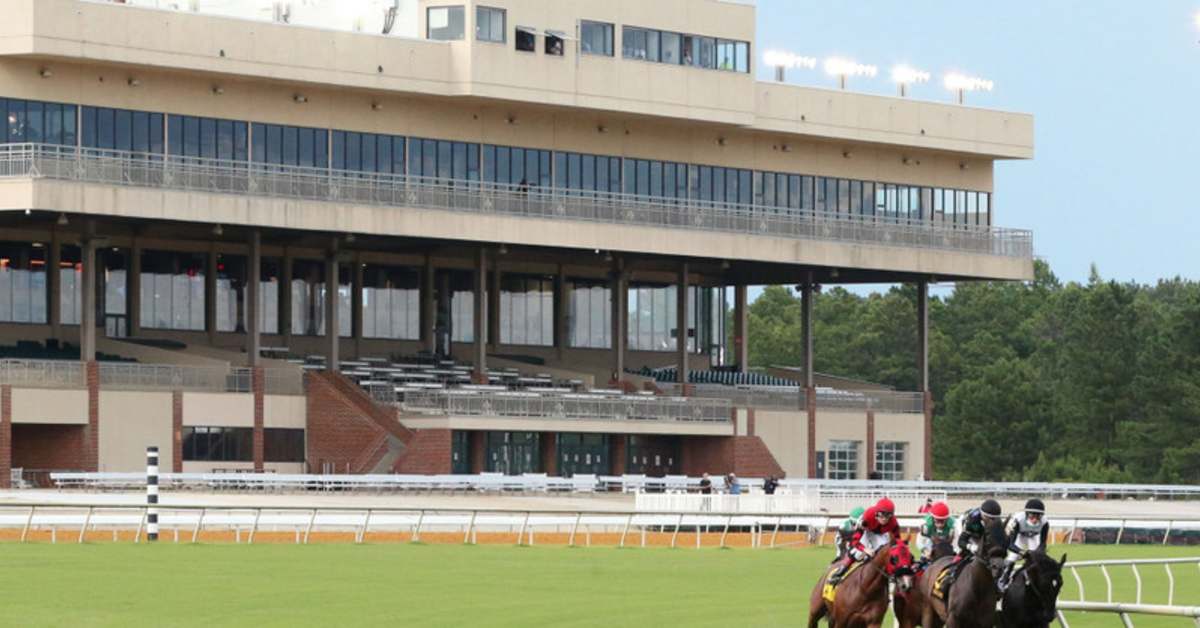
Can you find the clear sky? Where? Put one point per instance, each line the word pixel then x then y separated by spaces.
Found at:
pixel 1114 87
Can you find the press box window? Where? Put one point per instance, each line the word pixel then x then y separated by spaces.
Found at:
pixel 526 39
pixel 489 24
pixel 597 38
pixel 445 23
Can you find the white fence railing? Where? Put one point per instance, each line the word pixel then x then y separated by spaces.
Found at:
pixel 793 397
pixel 688 502
pixel 1011 490
pixel 42 373
pixel 1133 564
pixel 1125 610
pixel 142 376
pixel 567 406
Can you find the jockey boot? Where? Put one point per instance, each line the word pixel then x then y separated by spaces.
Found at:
pixel 836 576
pixel 1006 576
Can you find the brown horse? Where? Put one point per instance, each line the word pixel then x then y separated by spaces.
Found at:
pixel 910 607
pixel 971 600
pixel 862 596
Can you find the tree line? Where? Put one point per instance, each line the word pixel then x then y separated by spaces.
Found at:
pixel 1035 381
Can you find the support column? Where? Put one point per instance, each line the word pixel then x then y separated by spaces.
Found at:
pixel 741 344
pixel 493 307
pixel 91 433
pixel 210 295
pixel 562 333
pixel 5 436
pixel 477 441
pixel 54 284
pixel 619 292
pixel 444 329
pixel 87 320
pixel 923 373
pixel 810 390
pixel 285 298
pixel 253 310
pixel 548 449
pixel 177 431
pixel 332 337
pixel 681 327
pixel 356 305
pixel 870 443
pixel 618 447
pixel 258 441
pixel 428 314
pixel 133 285
pixel 479 352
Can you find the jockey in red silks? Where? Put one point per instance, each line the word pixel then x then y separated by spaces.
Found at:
pixel 878 528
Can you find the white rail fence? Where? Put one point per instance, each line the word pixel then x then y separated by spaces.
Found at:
pixel 1150 579
pixel 1124 611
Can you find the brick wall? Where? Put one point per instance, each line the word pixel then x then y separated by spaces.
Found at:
pixel 258 439
pixel 177 431
pixel 50 447
pixel 618 452
pixel 478 444
pixel 6 437
pixel 427 453
pixel 747 456
pixel 91 433
pixel 338 432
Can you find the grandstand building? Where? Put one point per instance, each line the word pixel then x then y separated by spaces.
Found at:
pixel 503 245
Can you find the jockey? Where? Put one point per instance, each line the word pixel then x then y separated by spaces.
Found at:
pixel 938 526
pixel 877 528
pixel 973 525
pixel 846 532
pixel 1027 532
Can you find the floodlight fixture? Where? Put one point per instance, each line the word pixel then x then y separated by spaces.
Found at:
pixel 961 84
pixel 783 61
pixel 844 68
pixel 904 76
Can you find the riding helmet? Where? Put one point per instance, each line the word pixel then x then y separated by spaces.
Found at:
pixel 857 513
pixel 991 508
pixel 885 505
pixel 940 511
pixel 1035 505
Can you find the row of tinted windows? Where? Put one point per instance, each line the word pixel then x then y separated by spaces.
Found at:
pixel 191 136
pixel 38 122
pixel 645 44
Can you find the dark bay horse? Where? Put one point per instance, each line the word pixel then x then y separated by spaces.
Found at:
pixel 862 597
pixel 971 600
pixel 909 607
pixel 1032 598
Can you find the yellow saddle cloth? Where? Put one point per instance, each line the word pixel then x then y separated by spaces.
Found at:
pixel 829 592
pixel 939 585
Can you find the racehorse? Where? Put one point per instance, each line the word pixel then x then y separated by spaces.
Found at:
pixel 861 598
pixel 1032 598
pixel 971 600
pixel 909 607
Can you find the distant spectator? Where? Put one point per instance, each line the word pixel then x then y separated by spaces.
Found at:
pixel 734 487
pixel 927 507
pixel 706 491
pixel 875 475
pixel 770 484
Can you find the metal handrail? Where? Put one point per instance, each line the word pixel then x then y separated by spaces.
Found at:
pixel 141 376
pixel 1125 610
pixel 1133 564
pixel 322 184
pixel 42 373
pixel 794 397
pixel 566 406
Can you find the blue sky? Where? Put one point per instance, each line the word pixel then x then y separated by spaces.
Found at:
pixel 1114 88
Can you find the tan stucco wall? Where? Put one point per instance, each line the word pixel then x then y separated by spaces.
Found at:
pixel 905 428
pixel 785 433
pixel 131 421
pixel 56 406
pixel 283 411
pixel 218 409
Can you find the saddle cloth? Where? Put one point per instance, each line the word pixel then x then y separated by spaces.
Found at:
pixel 829 592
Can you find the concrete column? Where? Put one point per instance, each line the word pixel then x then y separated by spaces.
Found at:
pixel 477 441
pixel 258 438
pixel 479 353
pixel 493 306
pixel 210 295
pixel 6 436
pixel 928 406
pixel 681 325
pixel 356 305
pixel 562 332
pixel 870 443
pixel 810 390
pixel 285 298
pixel 91 433
pixel 618 447
pixel 177 431
pixel 253 288
pixel 332 338
pixel 548 449
pixel 87 320
pixel 741 343
pixel 619 292
pixel 923 372
pixel 428 313
pixel 133 288
pixel 444 331
pixel 54 284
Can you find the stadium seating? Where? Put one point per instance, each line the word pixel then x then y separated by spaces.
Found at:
pixel 669 375
pixel 51 350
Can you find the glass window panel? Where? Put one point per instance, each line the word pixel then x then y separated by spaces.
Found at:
pixel 517 163
pixel 445 23
pixel 670 47
pixel 489 163
pixel 596 38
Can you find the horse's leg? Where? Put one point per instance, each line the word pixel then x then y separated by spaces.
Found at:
pixel 816 606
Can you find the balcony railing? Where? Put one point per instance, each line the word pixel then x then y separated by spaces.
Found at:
pixel 138 376
pixel 317 184
pixel 566 406
pixel 42 373
pixel 793 397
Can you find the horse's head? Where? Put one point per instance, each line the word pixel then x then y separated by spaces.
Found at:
pixel 900 566
pixel 1043 581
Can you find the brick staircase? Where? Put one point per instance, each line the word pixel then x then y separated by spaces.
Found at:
pixel 348 429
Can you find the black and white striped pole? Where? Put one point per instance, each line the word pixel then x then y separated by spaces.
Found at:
pixel 152 493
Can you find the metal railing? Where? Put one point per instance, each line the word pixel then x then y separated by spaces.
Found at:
pixel 316 184
pixel 42 373
pixel 1010 490
pixel 1133 564
pixel 1124 611
pixel 566 406
pixel 793 397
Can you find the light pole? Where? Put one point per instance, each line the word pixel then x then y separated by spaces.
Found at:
pixel 784 61
pixel 845 68
pixel 961 83
pixel 904 76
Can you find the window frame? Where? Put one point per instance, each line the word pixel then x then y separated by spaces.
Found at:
pixel 491 12
pixel 449 8
pixel 608 30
